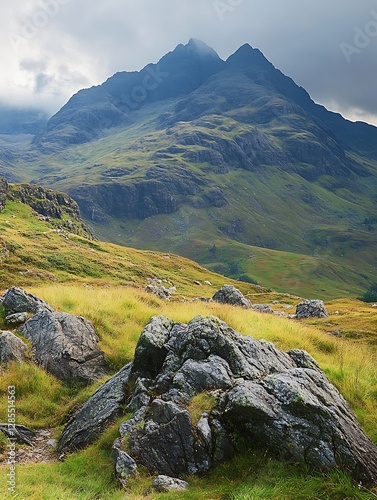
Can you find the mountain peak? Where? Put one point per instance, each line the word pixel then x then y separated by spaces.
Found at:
pixel 201 47
pixel 246 54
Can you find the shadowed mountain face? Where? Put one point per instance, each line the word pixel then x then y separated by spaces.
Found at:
pixel 206 157
pixel 212 86
pixel 110 104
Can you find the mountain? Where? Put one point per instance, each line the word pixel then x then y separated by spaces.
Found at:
pixel 229 163
pixel 92 110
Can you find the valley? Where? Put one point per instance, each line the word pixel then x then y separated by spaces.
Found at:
pixel 236 162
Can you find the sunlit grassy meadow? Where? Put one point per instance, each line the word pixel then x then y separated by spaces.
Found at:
pixel 119 313
pixel 105 284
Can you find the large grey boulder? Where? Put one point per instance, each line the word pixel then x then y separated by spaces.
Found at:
pixel 16 300
pixel 311 309
pixel 11 348
pixel 92 418
pixel 228 294
pixel 278 401
pixel 66 346
pixel 299 415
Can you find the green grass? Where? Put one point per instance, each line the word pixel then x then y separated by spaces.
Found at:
pixel 119 314
pixel 62 271
pixel 319 223
pixel 34 252
pixel 202 402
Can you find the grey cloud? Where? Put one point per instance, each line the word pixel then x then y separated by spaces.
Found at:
pixel 302 38
pixel 42 81
pixel 33 65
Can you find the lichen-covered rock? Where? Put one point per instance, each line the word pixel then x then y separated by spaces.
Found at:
pixel 263 308
pixel 125 465
pixel 16 300
pixel 16 319
pixel 167 443
pixel 228 294
pixel 311 309
pixel 278 401
pixel 161 291
pixel 11 348
pixel 151 350
pixel 102 408
pixel 66 346
pixel 299 415
pixel 164 484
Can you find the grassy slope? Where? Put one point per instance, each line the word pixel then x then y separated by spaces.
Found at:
pixel 119 314
pixel 114 300
pixel 322 222
pixel 31 251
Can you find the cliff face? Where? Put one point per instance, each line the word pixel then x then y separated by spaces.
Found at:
pixel 58 208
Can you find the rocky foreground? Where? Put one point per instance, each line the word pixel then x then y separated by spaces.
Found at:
pixel 279 402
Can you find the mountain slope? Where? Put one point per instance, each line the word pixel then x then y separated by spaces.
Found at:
pixel 195 153
pixel 43 240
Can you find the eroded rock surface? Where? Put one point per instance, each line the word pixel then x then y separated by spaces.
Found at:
pixel 278 401
pixel 101 409
pixel 16 300
pixel 66 346
pixel 311 309
pixel 11 348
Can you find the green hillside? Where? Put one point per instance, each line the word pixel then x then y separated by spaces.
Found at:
pixel 105 284
pixel 267 213
pixel 228 163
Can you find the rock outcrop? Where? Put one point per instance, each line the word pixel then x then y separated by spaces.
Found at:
pixel 311 309
pixel 16 300
pixel 279 401
pixel 102 408
pixel 228 294
pixel 156 287
pixel 66 346
pixel 63 344
pixel 56 207
pixel 18 433
pixel 164 484
pixel 11 348
pixel 3 192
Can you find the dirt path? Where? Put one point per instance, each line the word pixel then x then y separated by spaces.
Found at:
pixel 42 451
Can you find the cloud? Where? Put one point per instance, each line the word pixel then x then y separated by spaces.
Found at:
pixel 55 47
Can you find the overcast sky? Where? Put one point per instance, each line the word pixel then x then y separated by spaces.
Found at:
pixel 52 48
